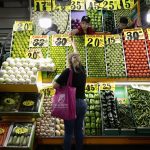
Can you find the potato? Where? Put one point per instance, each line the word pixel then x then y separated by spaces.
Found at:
pixel 57 133
pixel 57 121
pixel 62 126
pixel 61 121
pixel 57 127
pixel 62 132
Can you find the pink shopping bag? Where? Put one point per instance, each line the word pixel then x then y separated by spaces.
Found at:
pixel 64 101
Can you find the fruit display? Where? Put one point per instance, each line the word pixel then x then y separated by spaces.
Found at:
pixel 92 121
pixel 108 21
pixel 4 127
pixel 120 13
pixel 115 60
pixel 140 103
pixel 96 62
pixel 75 23
pixel 20 135
pixel 109 110
pixel 60 18
pixel 59 127
pixel 20 44
pixel 96 19
pixel 9 102
pixel 58 54
pixel 136 58
pixel 45 126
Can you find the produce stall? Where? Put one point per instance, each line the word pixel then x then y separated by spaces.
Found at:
pixel 117 68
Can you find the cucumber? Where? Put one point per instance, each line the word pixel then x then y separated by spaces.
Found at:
pixel 18 141
pixel 21 140
pixel 24 141
pixel 14 140
pixel 10 142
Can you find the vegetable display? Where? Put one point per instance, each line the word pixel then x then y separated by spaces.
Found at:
pixel 136 58
pixel 20 135
pixel 96 62
pixel 115 60
pixel 20 44
pixel 140 103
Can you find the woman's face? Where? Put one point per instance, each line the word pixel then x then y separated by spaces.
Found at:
pixel 75 60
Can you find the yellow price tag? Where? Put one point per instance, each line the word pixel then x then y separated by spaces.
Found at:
pixel 77 5
pixel 91 87
pixel 128 4
pixel 2 131
pixel 107 86
pixel 42 5
pixel 133 34
pixel 148 33
pixel 94 40
pixel 61 40
pixel 28 103
pixel 22 26
pixel 109 4
pixel 35 53
pixel 21 130
pixel 9 101
pixel 112 39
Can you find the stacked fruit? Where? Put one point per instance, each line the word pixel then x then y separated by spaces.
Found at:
pixel 109 109
pixel 96 62
pixel 92 120
pixel 46 123
pixel 108 21
pixel 3 132
pixel 20 135
pixel 96 19
pixel 59 127
pixel 136 58
pixel 58 54
pixel 120 13
pixel 115 61
pixel 20 44
pixel 75 23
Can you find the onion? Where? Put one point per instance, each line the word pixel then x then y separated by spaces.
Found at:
pixel 33 78
pixel 14 69
pixel 9 59
pixel 5 64
pixel 18 64
pixel 21 80
pixel 17 60
pixel 8 80
pixel 22 73
pixel 2 72
pixel 1 80
pixel 25 77
pixel 8 68
pixel 28 81
pixel 12 64
pixel 10 72
pixel 12 77
pixel 31 65
pixel 20 69
pixel 18 76
pixel 5 76
pixel 27 69
pixel 34 69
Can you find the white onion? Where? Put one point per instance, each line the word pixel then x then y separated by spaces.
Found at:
pixel 20 69
pixel 9 59
pixel 8 68
pixel 15 69
pixel 34 69
pixel 31 65
pixel 15 81
pixel 17 60
pixel 10 72
pixel 25 77
pixel 23 60
pixel 25 65
pixel 5 76
pixel 33 78
pixel 8 80
pixel 18 76
pixel 22 72
pixel 1 80
pixel 21 80
pixel 18 64
pixel 28 81
pixel 27 69
pixel 12 64
pixel 12 77
pixel 5 64
pixel 28 60
pixel 30 73
pixel 2 72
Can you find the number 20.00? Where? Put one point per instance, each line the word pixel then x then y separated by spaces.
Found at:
pixel 93 42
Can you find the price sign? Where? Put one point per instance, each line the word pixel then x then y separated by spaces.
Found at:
pixel 22 25
pixel 133 34
pixel 94 40
pixel 109 4
pixel 148 33
pixel 128 4
pixel 77 5
pixel 107 86
pixel 61 40
pixel 39 41
pixel 91 87
pixel 35 53
pixel 112 39
pixel 42 5
pixel 28 103
pixel 9 101
pixel 92 4
pixel 2 131
pixel 21 130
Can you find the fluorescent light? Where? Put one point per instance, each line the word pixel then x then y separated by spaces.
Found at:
pixel 148 16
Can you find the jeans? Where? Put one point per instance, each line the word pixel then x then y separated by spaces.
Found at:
pixel 75 126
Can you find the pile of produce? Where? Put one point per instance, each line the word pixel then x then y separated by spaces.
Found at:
pixel 136 58
pixel 108 21
pixel 92 120
pixel 20 135
pixel 45 126
pixel 59 127
pixel 9 102
pixel 96 62
pixel 75 23
pixel 3 132
pixel 96 19
pixel 20 44
pixel 140 103
pixel 109 109
pixel 115 60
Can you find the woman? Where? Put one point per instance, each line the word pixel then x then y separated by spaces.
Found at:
pixel 78 81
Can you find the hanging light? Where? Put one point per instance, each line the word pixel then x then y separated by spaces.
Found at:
pixel 45 21
pixel 148 16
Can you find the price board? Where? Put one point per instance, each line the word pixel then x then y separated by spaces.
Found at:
pixel 77 5
pixel 93 87
pixel 9 101
pixel 133 34
pixel 148 33
pixel 28 103
pixel 42 5
pixel 94 40
pixel 107 86
pixel 35 53
pixel 113 39
pixel 23 26
pixel 21 130
pixel 61 40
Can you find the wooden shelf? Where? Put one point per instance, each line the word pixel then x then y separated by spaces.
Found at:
pixel 99 140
